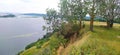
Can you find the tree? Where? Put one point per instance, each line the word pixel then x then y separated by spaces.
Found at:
pixel 109 9
pixel 64 14
pixel 78 10
pixel 73 10
pixel 92 6
pixel 52 20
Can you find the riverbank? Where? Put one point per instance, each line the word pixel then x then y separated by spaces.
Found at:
pixel 102 41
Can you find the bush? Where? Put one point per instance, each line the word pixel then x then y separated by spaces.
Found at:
pixel 30 45
pixel 47 35
pixel 40 42
pixel 54 42
pixel 68 29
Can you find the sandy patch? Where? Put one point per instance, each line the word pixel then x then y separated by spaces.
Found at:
pixel 118 36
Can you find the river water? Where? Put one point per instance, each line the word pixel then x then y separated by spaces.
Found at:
pixel 16 33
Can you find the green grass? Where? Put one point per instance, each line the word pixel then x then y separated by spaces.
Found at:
pixel 102 41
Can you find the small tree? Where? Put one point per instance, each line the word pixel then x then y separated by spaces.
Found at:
pixel 52 20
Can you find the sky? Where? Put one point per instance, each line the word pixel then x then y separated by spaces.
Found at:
pixel 27 6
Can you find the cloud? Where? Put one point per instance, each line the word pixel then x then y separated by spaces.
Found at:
pixel 10 2
pixel 27 6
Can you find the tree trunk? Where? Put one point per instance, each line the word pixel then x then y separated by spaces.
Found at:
pixel 111 23
pixel 80 24
pixel 108 24
pixel 92 15
pixel 91 22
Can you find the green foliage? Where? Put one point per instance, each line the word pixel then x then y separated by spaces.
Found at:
pixel 47 51
pixel 72 10
pixel 69 28
pixel 63 5
pixel 117 20
pixel 76 27
pixel 30 45
pixel 41 42
pixel 66 28
pixel 54 42
pixel 48 35
pixel 62 40
pixel 109 10
pixel 52 20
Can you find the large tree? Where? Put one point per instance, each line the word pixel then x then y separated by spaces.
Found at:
pixel 109 10
pixel 93 7
pixel 78 10
pixel 73 10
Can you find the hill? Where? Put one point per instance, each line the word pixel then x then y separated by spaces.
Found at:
pixel 6 15
pixel 33 14
pixel 102 41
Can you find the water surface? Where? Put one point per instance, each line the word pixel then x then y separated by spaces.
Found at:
pixel 16 33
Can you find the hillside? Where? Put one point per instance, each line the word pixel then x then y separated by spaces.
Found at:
pixel 102 41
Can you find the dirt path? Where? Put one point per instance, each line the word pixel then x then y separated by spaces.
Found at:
pixel 60 50
pixel 118 36
pixel 78 43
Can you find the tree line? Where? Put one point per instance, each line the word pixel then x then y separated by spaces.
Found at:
pixel 75 11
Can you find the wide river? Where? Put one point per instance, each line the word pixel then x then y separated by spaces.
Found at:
pixel 16 33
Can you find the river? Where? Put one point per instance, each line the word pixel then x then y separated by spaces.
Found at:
pixel 16 33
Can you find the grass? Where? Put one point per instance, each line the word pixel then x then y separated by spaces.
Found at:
pixel 102 41
pixel 30 51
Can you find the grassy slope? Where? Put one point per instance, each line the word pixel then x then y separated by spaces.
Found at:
pixel 102 42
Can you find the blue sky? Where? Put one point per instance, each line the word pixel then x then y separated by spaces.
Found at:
pixel 27 6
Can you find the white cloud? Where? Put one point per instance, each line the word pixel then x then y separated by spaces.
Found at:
pixel 27 6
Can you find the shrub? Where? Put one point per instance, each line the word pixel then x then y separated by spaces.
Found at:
pixel 47 35
pixel 68 29
pixel 54 42
pixel 40 42
pixel 30 45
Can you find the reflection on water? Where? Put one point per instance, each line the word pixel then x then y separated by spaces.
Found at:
pixel 16 33
pixel 25 35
